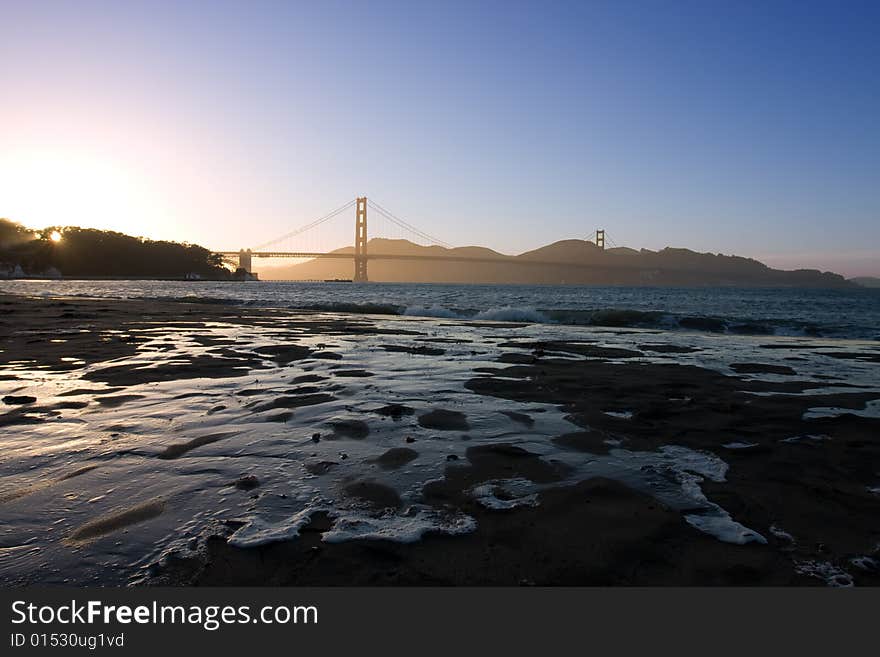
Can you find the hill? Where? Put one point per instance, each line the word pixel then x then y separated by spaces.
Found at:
pixel 87 252
pixel 566 261
pixel 866 281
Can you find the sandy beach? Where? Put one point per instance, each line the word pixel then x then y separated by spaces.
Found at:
pixel 162 442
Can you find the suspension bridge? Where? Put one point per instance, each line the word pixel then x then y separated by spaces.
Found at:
pixel 301 243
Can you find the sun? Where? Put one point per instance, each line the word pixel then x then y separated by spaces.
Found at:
pixel 73 188
pixel 55 236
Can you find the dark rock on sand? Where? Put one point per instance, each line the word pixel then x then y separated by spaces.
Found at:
pixel 295 401
pixel 70 405
pixel 852 355
pixel 668 348
pixel 246 482
pixel 356 429
pixel 89 391
pixel 353 373
pixel 18 399
pixel 308 378
pixel 284 354
pixel 396 457
pixel 177 450
pixel 114 401
pixel 394 411
pixel 517 358
pixel 418 351
pixel 761 368
pixel 319 467
pixel 194 367
pixel 252 392
pixel 444 420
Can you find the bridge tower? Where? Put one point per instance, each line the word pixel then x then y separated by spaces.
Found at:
pixel 244 260
pixel 600 238
pixel 360 241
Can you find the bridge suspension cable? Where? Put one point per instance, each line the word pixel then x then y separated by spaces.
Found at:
pixel 308 226
pixel 406 225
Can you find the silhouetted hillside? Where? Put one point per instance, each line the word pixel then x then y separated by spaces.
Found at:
pixel 566 261
pixel 866 281
pixel 99 253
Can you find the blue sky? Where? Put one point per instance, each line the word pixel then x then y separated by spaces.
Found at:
pixel 747 128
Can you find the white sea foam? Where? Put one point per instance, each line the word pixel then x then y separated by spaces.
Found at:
pixel 514 493
pixel 724 528
pixel 401 528
pixel 797 439
pixel 832 575
pixel 781 534
pixel 257 531
pixel 512 314
pixel 431 311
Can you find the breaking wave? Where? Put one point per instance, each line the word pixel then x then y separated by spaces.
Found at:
pixel 605 317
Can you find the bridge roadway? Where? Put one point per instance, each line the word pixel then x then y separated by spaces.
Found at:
pixel 498 260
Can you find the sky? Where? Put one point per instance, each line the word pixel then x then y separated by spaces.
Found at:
pixel 734 127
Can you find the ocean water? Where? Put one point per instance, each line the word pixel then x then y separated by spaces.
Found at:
pixel 848 314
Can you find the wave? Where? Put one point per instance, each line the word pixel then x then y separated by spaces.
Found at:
pixel 434 311
pixel 608 317
pixel 501 314
pixel 601 317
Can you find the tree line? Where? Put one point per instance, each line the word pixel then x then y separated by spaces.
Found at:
pixel 91 252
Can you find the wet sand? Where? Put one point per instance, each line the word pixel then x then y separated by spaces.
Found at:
pixel 571 506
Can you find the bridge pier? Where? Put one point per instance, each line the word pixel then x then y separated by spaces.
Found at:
pixel 244 260
pixel 360 241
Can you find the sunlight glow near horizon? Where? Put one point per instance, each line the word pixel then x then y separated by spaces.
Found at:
pixel 44 188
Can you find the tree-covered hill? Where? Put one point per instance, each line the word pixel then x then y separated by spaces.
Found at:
pixel 90 252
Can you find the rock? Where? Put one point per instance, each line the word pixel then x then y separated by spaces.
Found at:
pixel 19 399
pixel 444 420
pixel 395 411
pixel 356 429
pixel 396 457
pixel 246 482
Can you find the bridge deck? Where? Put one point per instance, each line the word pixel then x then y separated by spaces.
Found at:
pixel 500 260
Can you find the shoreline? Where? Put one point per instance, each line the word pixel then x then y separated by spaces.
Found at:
pixel 495 453
pixel 743 312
